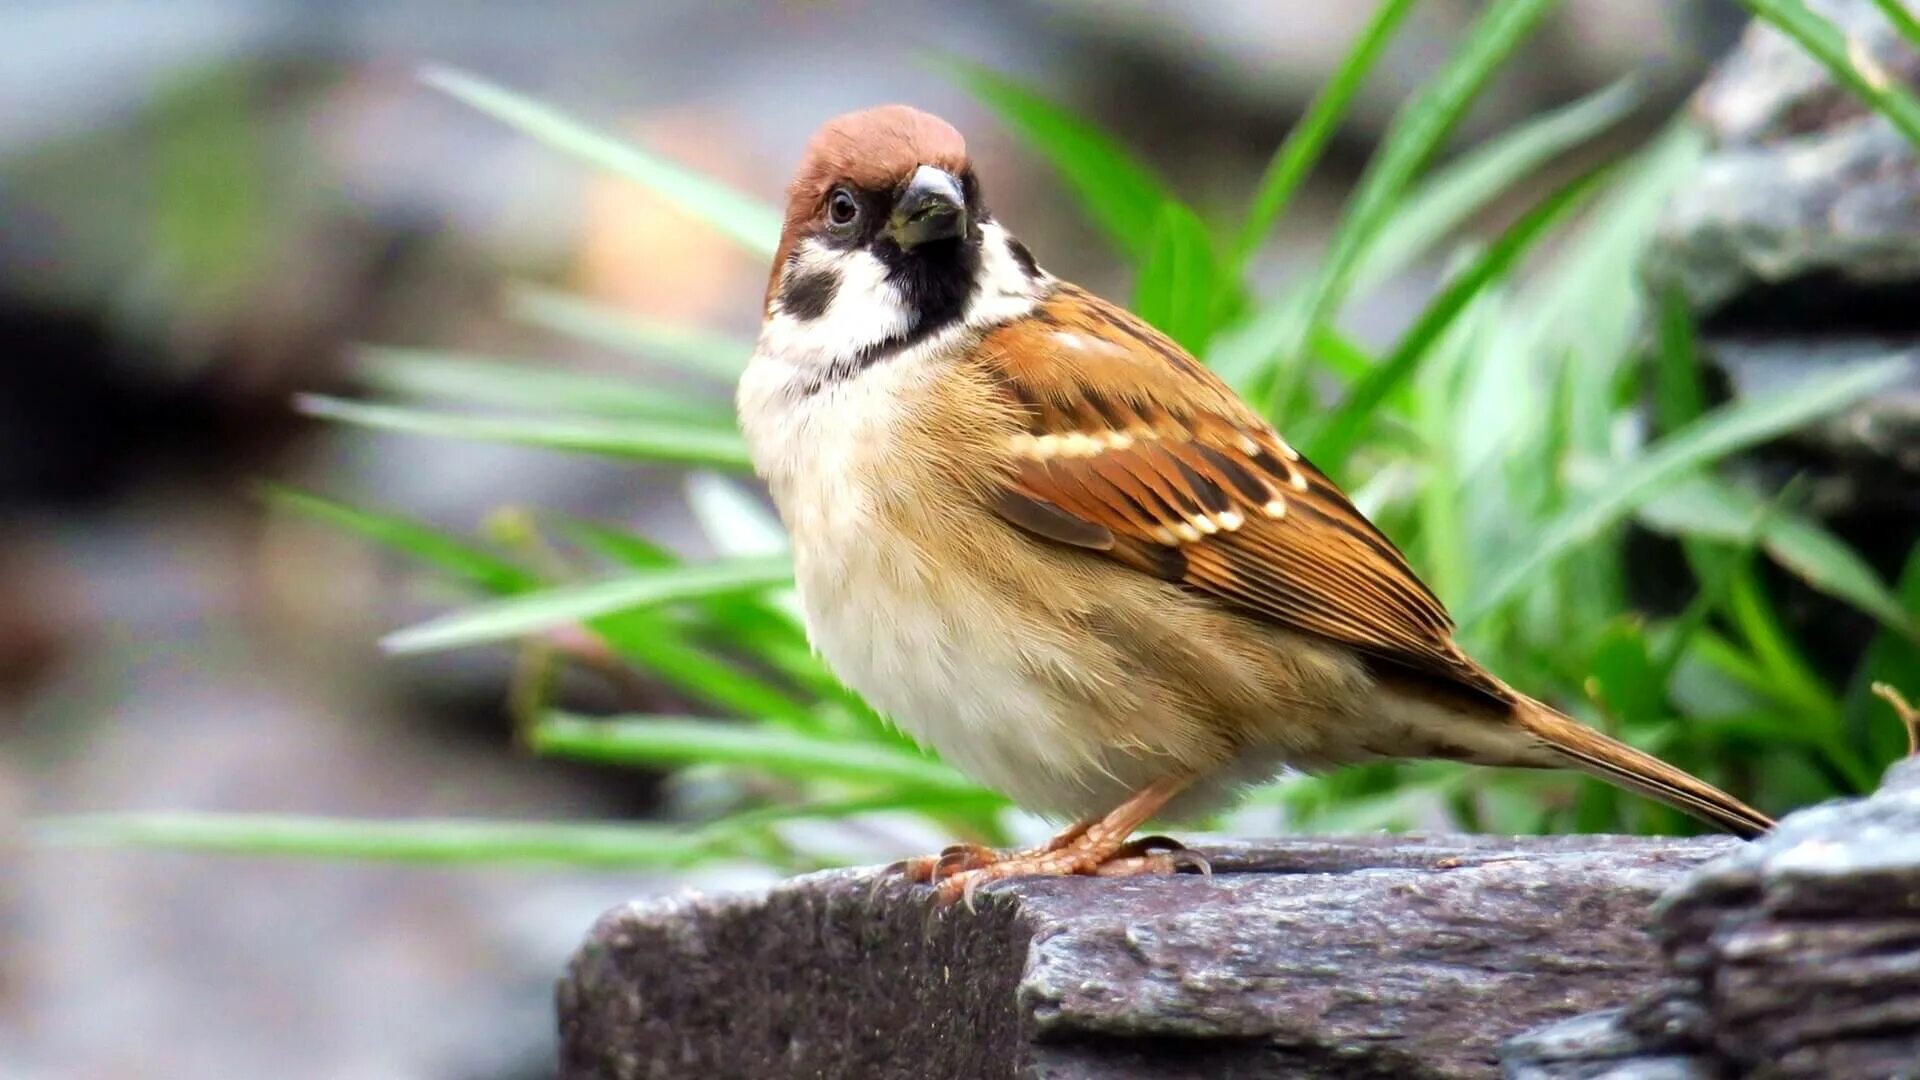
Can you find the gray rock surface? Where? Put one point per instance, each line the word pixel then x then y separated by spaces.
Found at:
pixel 1797 244
pixel 1796 956
pixel 1406 957
pixel 1803 177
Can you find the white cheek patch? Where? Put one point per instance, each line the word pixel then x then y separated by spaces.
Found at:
pixel 1006 291
pixel 834 306
pixel 866 308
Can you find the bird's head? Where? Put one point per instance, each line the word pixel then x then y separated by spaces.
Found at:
pixel 886 240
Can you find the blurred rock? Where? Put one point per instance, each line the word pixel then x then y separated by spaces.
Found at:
pixel 1798 244
pixel 1375 957
pixel 37 628
pixel 1796 956
pixel 1804 177
pixel 1601 1046
pixel 175 694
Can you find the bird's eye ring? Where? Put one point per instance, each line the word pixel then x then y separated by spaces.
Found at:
pixel 842 209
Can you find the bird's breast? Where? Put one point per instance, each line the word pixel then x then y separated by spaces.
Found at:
pixel 864 474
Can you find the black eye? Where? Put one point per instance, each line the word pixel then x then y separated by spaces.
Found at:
pixel 842 209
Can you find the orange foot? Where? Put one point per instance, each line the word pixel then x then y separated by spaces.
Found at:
pixel 1085 855
pixel 1097 846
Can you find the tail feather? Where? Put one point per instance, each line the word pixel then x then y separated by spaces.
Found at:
pixel 1583 748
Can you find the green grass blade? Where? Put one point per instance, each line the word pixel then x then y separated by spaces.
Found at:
pixel 1122 196
pixel 1829 45
pixel 1244 353
pixel 659 741
pixel 1711 508
pixel 1723 431
pixel 1301 149
pixel 1677 394
pixel 1348 423
pixel 433 841
pixel 646 440
pixel 533 613
pixel 614 544
pixel 749 222
pixel 1716 584
pixel 1580 317
pixel 1755 616
pixel 939 800
pixel 455 555
pixel 468 379
pixel 1344 358
pixel 644 639
pixel 689 348
pixel 1180 284
pixel 1415 135
pixel 1463 188
pixel 745 618
pixel 1902 19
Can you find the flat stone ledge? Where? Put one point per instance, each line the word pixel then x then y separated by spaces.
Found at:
pixel 1797 957
pixel 1389 956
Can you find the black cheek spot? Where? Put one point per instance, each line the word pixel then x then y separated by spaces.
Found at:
pixel 1024 258
pixel 807 296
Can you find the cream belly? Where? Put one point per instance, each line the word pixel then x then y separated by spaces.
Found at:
pixel 936 653
pixel 916 641
pixel 953 679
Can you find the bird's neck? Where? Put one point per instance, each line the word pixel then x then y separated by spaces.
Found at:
pixel 834 315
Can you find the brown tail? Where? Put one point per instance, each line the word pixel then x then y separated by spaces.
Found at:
pixel 1611 760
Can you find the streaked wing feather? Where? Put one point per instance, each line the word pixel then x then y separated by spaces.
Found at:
pixel 1135 450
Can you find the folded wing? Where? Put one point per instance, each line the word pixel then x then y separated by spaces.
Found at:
pixel 1135 450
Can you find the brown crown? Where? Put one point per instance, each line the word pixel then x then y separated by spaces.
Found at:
pixel 876 149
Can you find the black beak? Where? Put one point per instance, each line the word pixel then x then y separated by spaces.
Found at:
pixel 932 207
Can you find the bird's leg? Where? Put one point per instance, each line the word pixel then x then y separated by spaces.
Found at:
pixel 962 857
pixel 1096 847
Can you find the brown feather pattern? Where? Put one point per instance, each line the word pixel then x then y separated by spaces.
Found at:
pixel 1165 470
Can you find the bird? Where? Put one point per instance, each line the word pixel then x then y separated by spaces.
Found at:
pixel 1052 546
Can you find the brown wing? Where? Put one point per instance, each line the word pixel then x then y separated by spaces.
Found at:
pixel 1165 470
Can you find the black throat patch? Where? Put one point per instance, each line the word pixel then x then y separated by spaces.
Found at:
pixel 936 281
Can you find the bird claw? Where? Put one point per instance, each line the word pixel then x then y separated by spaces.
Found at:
pixel 1156 855
pixel 1189 859
pixel 1166 852
pixel 953 860
pixel 963 857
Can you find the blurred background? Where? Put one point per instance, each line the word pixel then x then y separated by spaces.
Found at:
pixel 207 206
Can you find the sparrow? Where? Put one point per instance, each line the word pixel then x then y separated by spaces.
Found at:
pixel 1053 547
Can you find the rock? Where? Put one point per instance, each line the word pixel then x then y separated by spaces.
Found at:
pixel 1803 179
pixel 1371 957
pixel 1803 949
pixel 1602 1046
pixel 1795 956
pixel 1797 244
